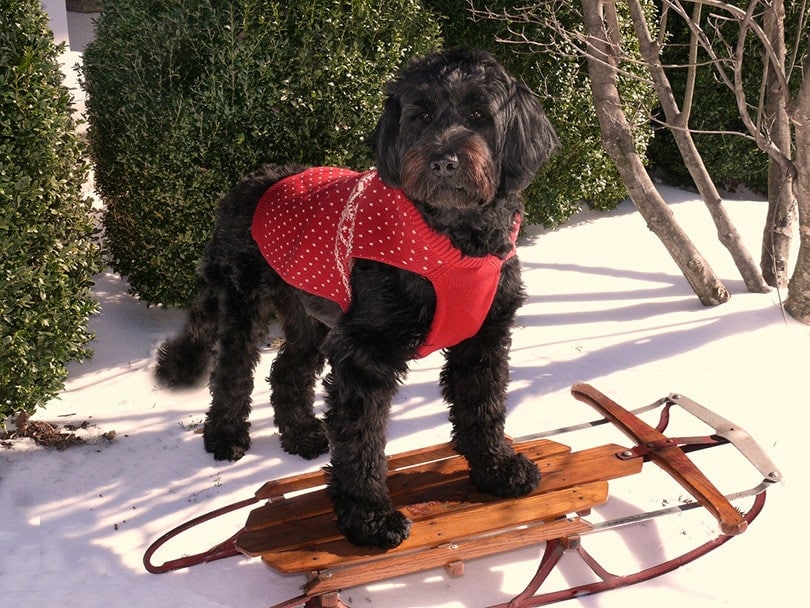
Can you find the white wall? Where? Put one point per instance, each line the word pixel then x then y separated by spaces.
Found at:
pixel 58 19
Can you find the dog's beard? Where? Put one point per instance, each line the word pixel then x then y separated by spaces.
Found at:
pixel 473 184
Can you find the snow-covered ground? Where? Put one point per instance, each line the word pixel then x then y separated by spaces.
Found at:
pixel 606 306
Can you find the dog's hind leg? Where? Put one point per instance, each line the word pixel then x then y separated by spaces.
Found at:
pixel 292 379
pixel 245 314
pixel 184 359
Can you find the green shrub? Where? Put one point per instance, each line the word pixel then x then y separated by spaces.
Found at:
pixel 47 253
pixel 581 171
pixel 185 97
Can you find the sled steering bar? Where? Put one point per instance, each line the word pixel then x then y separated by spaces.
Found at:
pixel 668 456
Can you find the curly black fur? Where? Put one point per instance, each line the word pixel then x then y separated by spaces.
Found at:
pixel 462 139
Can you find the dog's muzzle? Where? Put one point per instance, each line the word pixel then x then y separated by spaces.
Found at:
pixel 456 170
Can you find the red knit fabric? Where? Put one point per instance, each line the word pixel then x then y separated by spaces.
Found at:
pixel 312 225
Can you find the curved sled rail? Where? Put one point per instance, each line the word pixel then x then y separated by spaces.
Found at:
pixel 556 548
pixel 224 549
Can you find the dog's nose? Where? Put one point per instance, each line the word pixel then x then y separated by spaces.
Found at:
pixel 445 166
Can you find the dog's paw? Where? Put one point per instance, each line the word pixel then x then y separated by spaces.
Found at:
pixel 307 440
pixel 508 477
pixel 226 445
pixel 378 529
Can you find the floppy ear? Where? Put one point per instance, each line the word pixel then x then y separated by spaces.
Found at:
pixel 383 140
pixel 529 141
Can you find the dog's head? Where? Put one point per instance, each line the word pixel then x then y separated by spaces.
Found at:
pixel 457 130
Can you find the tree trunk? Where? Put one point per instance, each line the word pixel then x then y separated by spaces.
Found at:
pixel 798 300
pixel 779 224
pixel 599 17
pixel 781 204
pixel 678 121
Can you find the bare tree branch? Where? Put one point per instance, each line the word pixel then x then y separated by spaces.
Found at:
pixel 726 33
pixel 734 82
pixel 726 231
pixel 746 19
pixel 691 75
pixel 544 14
pixel 792 63
pixel 603 57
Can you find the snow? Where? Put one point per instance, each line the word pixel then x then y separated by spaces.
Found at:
pixel 607 306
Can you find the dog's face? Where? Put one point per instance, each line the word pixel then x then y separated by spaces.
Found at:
pixel 457 131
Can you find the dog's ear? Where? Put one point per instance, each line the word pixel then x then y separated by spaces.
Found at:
pixel 383 139
pixel 529 140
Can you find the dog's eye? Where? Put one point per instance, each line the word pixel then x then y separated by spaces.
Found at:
pixel 475 115
pixel 424 117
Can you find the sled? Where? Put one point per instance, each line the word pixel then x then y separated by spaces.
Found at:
pixel 295 532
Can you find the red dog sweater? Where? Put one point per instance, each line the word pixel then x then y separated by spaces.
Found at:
pixel 311 226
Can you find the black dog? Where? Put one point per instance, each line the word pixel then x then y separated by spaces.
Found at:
pixel 460 139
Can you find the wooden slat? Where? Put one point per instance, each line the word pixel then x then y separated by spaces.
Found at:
pixel 421 455
pixel 408 563
pixel 599 463
pixel 299 534
pixel 279 487
pixel 334 550
pixel 282 511
pixel 445 482
pixel 405 486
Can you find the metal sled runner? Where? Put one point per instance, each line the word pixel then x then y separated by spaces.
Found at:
pixel 454 523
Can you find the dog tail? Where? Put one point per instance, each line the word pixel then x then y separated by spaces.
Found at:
pixel 185 359
pixel 181 363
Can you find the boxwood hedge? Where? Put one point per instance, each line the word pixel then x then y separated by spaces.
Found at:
pixel 48 254
pixel 185 97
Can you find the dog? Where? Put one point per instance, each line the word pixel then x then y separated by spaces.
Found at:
pixel 458 140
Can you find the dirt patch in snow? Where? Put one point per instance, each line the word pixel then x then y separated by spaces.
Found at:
pixel 46 434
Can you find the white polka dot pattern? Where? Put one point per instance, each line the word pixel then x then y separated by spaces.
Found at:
pixel 311 226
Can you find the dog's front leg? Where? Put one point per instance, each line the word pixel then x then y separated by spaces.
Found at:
pixel 474 381
pixel 359 390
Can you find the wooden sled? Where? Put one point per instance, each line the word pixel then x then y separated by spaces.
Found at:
pixel 294 531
